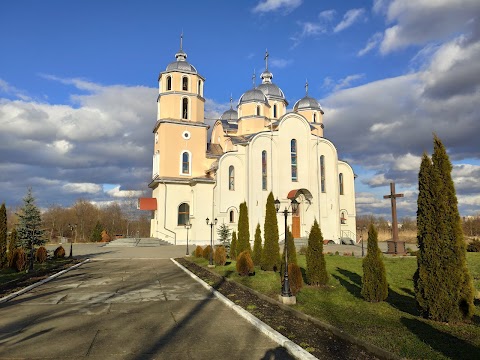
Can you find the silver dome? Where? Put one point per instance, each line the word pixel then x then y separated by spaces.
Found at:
pixel 253 95
pixel 230 115
pixel 270 89
pixel 307 103
pixel 181 65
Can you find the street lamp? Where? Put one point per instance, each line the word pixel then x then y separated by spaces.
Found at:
pixel 212 224
pixel 187 226
pixel 286 285
pixel 72 227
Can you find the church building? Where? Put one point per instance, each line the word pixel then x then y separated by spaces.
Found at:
pixel 256 147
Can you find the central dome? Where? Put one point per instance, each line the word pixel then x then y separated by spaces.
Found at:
pixel 253 95
pixel 270 89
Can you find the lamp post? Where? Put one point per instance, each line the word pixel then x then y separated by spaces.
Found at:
pixel 187 225
pixel 212 224
pixel 72 227
pixel 286 285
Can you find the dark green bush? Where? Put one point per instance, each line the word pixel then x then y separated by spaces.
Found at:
pixel 317 274
pixel 474 246
pixel 233 246
pixel 206 252
pixel 245 264
pixel 41 255
pixel 59 252
pixel 302 250
pixel 295 278
pixel 374 280
pixel 220 256
pixel 198 251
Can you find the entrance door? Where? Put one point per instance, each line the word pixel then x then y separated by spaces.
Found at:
pixel 296 225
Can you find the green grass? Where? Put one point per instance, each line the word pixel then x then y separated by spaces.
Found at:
pixel 394 324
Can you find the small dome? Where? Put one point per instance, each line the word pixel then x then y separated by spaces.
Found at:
pixel 253 95
pixel 230 115
pixel 307 103
pixel 181 63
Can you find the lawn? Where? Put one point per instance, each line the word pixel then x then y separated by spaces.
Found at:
pixel 393 325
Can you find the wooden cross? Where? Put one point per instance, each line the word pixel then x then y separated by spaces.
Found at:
pixel 393 198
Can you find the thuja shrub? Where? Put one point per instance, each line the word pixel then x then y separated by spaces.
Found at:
pixel 474 246
pixel 295 278
pixel 41 255
pixel 245 264
pixel 220 256
pixel 198 251
pixel 59 252
pixel 19 260
pixel 206 252
pixel 374 280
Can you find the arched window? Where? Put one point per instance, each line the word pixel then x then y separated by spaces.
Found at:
pixel 185 83
pixel 275 111
pixel 232 216
pixel 340 182
pixel 185 163
pixel 185 108
pixel 293 157
pixel 231 178
pixel 258 110
pixel 343 219
pixel 314 117
pixel 183 213
pixel 169 83
pixel 200 87
pixel 264 170
pixel 322 173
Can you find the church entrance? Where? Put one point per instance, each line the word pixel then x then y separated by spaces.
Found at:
pixel 296 224
pixel 303 196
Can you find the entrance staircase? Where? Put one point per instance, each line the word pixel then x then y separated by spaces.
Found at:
pixel 137 242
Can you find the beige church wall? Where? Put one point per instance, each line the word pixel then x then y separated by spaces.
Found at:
pixel 170 104
pixel 281 109
pixel 218 134
pixel 250 109
pixel 177 84
pixel 347 201
pixel 250 125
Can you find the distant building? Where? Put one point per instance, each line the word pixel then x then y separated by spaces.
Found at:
pixel 256 148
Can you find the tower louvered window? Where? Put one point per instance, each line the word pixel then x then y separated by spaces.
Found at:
pixel 264 170
pixel 322 173
pixel 293 159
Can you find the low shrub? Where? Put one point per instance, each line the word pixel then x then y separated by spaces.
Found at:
pixel 295 278
pixel 19 260
pixel 59 252
pixel 198 251
pixel 206 252
pixel 41 255
pixel 337 253
pixel 302 250
pixel 474 246
pixel 245 264
pixel 220 256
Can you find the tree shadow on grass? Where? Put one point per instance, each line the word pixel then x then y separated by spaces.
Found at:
pixel 404 303
pixel 440 341
pixel 353 284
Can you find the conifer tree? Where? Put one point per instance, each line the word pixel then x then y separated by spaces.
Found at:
pixel 223 233
pixel 257 246
pixel 12 245
pixel 443 286
pixel 233 246
pixel 271 249
pixel 29 229
pixel 3 236
pixel 316 266
pixel 374 280
pixel 96 235
pixel 292 252
pixel 243 230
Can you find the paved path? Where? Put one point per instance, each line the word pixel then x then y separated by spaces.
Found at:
pixel 127 309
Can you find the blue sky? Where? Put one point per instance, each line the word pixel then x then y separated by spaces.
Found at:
pixel 78 86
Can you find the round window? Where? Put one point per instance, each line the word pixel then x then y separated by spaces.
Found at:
pixel 186 135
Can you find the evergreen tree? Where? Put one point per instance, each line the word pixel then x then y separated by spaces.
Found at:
pixel 3 236
pixel 223 233
pixel 374 280
pixel 317 274
pixel 30 232
pixel 12 245
pixel 243 230
pixel 233 246
pixel 292 253
pixel 257 246
pixel 271 248
pixel 96 235
pixel 443 286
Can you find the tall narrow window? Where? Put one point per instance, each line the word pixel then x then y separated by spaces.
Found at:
pixel 183 213
pixel 264 170
pixel 186 163
pixel 314 118
pixel 185 108
pixel 258 110
pixel 293 157
pixel 231 178
pixel 169 83
pixel 340 181
pixel 343 219
pixel 232 216
pixel 275 111
pixel 185 83
pixel 322 173
pixel 200 87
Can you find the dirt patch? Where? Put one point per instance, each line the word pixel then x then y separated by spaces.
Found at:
pixel 319 342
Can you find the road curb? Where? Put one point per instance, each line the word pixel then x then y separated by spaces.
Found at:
pixel 41 282
pixel 295 350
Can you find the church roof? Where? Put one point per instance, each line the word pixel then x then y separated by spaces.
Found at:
pixel 307 103
pixel 230 115
pixel 253 95
pixel 229 125
pixel 181 63
pixel 214 150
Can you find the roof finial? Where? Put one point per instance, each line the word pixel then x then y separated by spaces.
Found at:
pixel 253 79
pixel 231 101
pixel 306 87
pixel 266 60
pixel 181 41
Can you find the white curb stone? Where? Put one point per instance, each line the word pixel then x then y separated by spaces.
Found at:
pixel 295 350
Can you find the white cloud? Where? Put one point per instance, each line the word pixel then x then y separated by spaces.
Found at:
pixel 280 63
pixel 8 89
pixel 82 188
pixel 347 81
pixel 372 42
pixel 350 17
pixel 384 128
pixel 378 180
pixel 117 193
pixel 327 15
pixel 273 5
pixel 408 162
pixel 308 29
